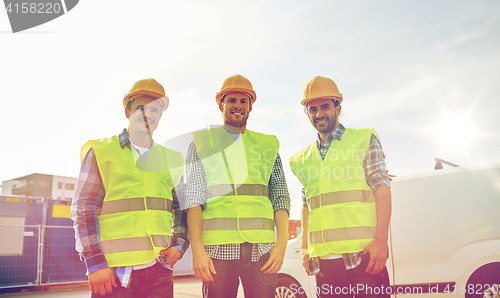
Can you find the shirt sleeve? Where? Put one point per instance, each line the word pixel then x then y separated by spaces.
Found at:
pixel 304 200
pixel 179 225
pixel 278 190
pixel 374 165
pixel 196 181
pixel 87 199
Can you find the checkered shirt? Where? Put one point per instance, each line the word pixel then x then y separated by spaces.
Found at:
pixel 196 193
pixel 375 173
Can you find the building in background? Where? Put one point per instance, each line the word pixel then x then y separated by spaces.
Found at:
pixel 40 185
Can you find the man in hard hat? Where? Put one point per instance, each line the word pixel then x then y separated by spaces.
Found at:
pixel 346 200
pixel 129 227
pixel 236 191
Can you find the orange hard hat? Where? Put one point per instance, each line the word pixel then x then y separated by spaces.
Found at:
pixel 149 87
pixel 236 83
pixel 321 87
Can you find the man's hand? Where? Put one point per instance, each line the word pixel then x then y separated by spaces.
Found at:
pixel 203 265
pixel 305 259
pixel 378 256
pixel 102 281
pixel 172 255
pixel 276 256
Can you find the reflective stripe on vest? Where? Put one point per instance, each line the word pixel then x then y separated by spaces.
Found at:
pixel 254 223
pixel 342 214
pixel 135 204
pixel 341 197
pixel 135 244
pixel 342 234
pixel 136 215
pixel 238 208
pixel 242 190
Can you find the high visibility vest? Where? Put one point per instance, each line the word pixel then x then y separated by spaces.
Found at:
pixel 342 217
pixel 238 208
pixel 135 219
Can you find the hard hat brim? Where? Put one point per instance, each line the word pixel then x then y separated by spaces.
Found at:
pixel 305 101
pixel 164 99
pixel 250 93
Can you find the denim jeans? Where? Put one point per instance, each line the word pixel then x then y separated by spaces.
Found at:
pixel 334 280
pixel 255 283
pixel 155 281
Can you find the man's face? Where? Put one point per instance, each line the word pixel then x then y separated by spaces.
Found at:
pixel 235 109
pixel 144 115
pixel 323 114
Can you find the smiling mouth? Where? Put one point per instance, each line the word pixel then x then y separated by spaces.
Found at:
pixel 237 113
pixel 146 121
pixel 321 121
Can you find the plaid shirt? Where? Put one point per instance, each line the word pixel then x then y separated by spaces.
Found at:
pixel 375 173
pixel 88 198
pixel 196 193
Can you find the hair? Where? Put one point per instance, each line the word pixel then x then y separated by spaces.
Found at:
pixel 129 104
pixel 336 103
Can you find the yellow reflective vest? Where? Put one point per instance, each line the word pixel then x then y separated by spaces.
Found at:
pixel 342 217
pixel 238 208
pixel 135 219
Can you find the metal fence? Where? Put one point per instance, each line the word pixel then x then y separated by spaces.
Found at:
pixel 47 256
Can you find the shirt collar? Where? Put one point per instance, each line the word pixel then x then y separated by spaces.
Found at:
pixel 124 139
pixel 336 134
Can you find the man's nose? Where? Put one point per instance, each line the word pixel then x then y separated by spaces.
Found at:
pixel 146 114
pixel 240 105
pixel 319 114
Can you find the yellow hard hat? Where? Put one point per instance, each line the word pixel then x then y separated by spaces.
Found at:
pixel 321 87
pixel 236 83
pixel 149 87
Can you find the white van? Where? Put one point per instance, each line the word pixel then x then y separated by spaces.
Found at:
pixel 444 236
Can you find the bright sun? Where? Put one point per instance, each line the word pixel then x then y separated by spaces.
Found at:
pixel 455 132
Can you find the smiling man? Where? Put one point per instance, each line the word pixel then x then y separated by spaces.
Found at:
pixel 129 227
pixel 346 200
pixel 236 191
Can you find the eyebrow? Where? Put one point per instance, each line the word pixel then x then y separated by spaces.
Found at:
pixel 315 107
pixel 151 107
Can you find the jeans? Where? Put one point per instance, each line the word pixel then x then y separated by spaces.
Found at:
pixel 255 283
pixel 334 280
pixel 155 281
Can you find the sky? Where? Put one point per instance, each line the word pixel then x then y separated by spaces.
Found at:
pixel 423 74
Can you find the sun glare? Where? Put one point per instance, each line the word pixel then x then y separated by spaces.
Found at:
pixel 455 132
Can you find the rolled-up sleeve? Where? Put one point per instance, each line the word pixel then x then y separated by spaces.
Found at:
pixel 179 227
pixel 88 197
pixel 278 190
pixel 374 165
pixel 196 185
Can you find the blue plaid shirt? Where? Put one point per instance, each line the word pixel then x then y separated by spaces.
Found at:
pixel 375 173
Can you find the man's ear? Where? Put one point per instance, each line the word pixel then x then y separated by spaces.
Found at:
pixel 127 113
pixel 339 108
pixel 221 108
pixel 250 109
